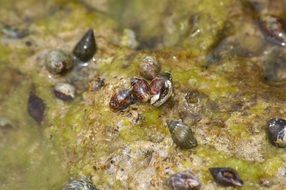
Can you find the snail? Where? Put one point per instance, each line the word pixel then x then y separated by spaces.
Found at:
pixel 149 67
pixel 86 47
pixel 58 62
pixel 64 91
pixel 161 88
pixel 36 107
pixel 184 180
pixel 273 29
pixel 82 183
pixel 121 100
pixel 140 89
pixel 226 176
pixel 277 132
pixel 181 134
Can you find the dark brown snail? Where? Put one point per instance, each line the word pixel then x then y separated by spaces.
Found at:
pixel 121 100
pixel 140 89
pixel 161 88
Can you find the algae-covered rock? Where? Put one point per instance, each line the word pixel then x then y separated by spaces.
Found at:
pixel 226 81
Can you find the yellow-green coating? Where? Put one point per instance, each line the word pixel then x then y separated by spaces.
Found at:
pixel 119 149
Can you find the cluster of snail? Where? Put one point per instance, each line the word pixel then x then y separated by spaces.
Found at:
pixel 224 176
pixel 157 92
pixel 58 63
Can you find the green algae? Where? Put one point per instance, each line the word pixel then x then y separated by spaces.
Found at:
pixel 78 129
pixel 247 170
pixel 131 133
pixel 4 54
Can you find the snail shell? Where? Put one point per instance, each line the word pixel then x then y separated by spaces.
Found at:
pixel 121 100
pixel 226 177
pixel 277 132
pixel 64 91
pixel 182 135
pixel 273 30
pixel 161 88
pixel 83 183
pixel 184 180
pixel 58 62
pixel 149 67
pixel 86 47
pixel 140 89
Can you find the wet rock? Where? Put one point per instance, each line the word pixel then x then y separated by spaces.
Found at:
pixel 14 32
pixel 191 106
pixel 99 83
pixel 6 125
pixel 275 67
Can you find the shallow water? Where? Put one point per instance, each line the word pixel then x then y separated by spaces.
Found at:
pixel 201 42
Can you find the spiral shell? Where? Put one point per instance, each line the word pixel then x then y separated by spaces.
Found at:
pixel 140 89
pixel 182 135
pixel 64 91
pixel 185 180
pixel 277 132
pixel 58 62
pixel 83 183
pixel 226 177
pixel 161 89
pixel 149 68
pixel 121 100
pixel 86 47
pixel 273 29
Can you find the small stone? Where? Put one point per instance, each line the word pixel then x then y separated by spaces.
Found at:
pixel 99 83
pixel 14 32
